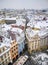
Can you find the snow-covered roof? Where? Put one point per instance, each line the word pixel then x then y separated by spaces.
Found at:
pixel 1 19
pixel 6 27
pixel 41 24
pixel 17 30
pixel 30 24
pixel 19 34
pixel 43 55
pixel 21 22
pixel 41 33
pixel 7 42
pixel 38 24
pixel 12 18
pixel 31 32
pixel 1 45
pixel 29 17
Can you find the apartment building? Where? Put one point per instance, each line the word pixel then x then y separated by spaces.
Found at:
pixel 43 39
pixel 5 58
pixel 13 50
pixel 37 27
pixel 17 38
pixel 11 43
pixel 2 21
pixel 18 35
pixel 21 60
pixel 36 39
pixel 33 40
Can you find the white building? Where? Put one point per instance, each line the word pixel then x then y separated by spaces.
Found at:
pixel 21 60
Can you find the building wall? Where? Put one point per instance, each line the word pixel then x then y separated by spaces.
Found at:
pixel 10 21
pixel 37 43
pixel 21 47
pixel 14 49
pixel 2 21
pixel 5 56
pixel 34 44
pixel 44 43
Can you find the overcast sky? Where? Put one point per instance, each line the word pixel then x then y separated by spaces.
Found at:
pixel 35 4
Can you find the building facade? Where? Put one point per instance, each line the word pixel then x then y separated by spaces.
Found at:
pixel 33 44
pixel 4 55
pixel 13 50
pixel 18 35
pixel 36 40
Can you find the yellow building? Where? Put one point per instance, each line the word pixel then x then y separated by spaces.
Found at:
pixel 8 50
pixel 33 40
pixel 4 55
pixel 14 50
pixel 2 21
pixel 34 44
pixel 36 39
pixel 44 43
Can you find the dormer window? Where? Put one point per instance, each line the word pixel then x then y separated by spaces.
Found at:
pixel 1 38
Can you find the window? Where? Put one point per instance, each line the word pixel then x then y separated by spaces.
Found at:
pixel 29 48
pixel 12 51
pixel 5 55
pixel 6 61
pixel 8 53
pixel 12 55
pixel 24 59
pixel 13 42
pixel 17 52
pixel 16 44
pixel 2 58
pixel 16 47
pixel 9 60
pixel 35 41
pixel 3 49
